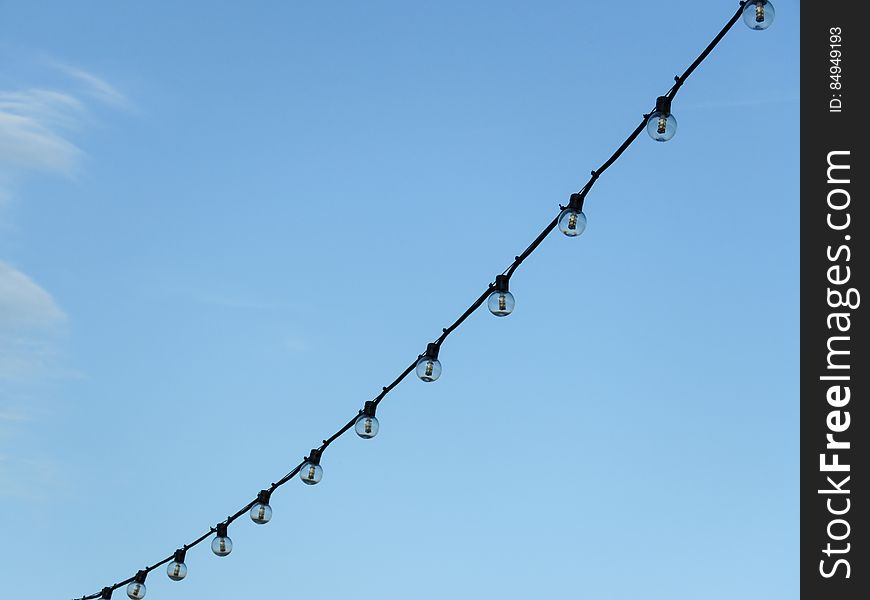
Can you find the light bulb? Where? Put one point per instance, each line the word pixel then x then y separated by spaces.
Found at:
pixel 572 222
pixel 758 14
pixel 661 124
pixel 366 425
pixel 311 472
pixel 261 512
pixel 501 302
pixel 177 570
pixel 136 589
pixel 429 367
pixel 221 544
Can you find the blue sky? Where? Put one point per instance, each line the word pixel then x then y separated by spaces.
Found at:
pixel 224 226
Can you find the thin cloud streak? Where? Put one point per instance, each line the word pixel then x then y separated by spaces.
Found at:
pixel 24 305
pixel 33 126
pixel 30 319
pixel 95 86
pixel 37 126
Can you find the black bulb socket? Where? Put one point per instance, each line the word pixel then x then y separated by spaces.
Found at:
pixel 501 283
pixel 314 457
pixel 140 576
pixel 663 105
pixel 432 350
pixel 105 593
pixel 179 555
pixel 221 530
pixel 264 496
pixel 576 202
pixel 369 408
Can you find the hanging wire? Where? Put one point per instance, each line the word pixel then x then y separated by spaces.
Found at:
pixel 518 260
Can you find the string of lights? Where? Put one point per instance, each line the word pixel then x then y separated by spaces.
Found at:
pixel 571 221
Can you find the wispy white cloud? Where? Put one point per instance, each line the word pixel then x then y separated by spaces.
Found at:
pixel 30 322
pixel 24 304
pixel 33 133
pixel 38 125
pixel 30 319
pixel 95 86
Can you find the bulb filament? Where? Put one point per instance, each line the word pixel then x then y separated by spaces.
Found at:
pixel 311 473
pixel 176 570
pixel 663 124
pixel 502 302
pixel 572 225
pixel 368 426
pixel 223 545
pixel 759 12
pixel 261 514
pixel 429 366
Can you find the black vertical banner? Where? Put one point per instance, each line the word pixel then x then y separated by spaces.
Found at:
pixel 835 372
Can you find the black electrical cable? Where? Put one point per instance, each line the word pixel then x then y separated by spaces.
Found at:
pixel 518 260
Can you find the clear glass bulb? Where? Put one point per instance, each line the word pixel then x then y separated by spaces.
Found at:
pixel 221 545
pixel 176 570
pixel 366 426
pixel 501 304
pixel 572 222
pixel 428 368
pixel 136 590
pixel 261 513
pixel 311 473
pixel 758 14
pixel 661 126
